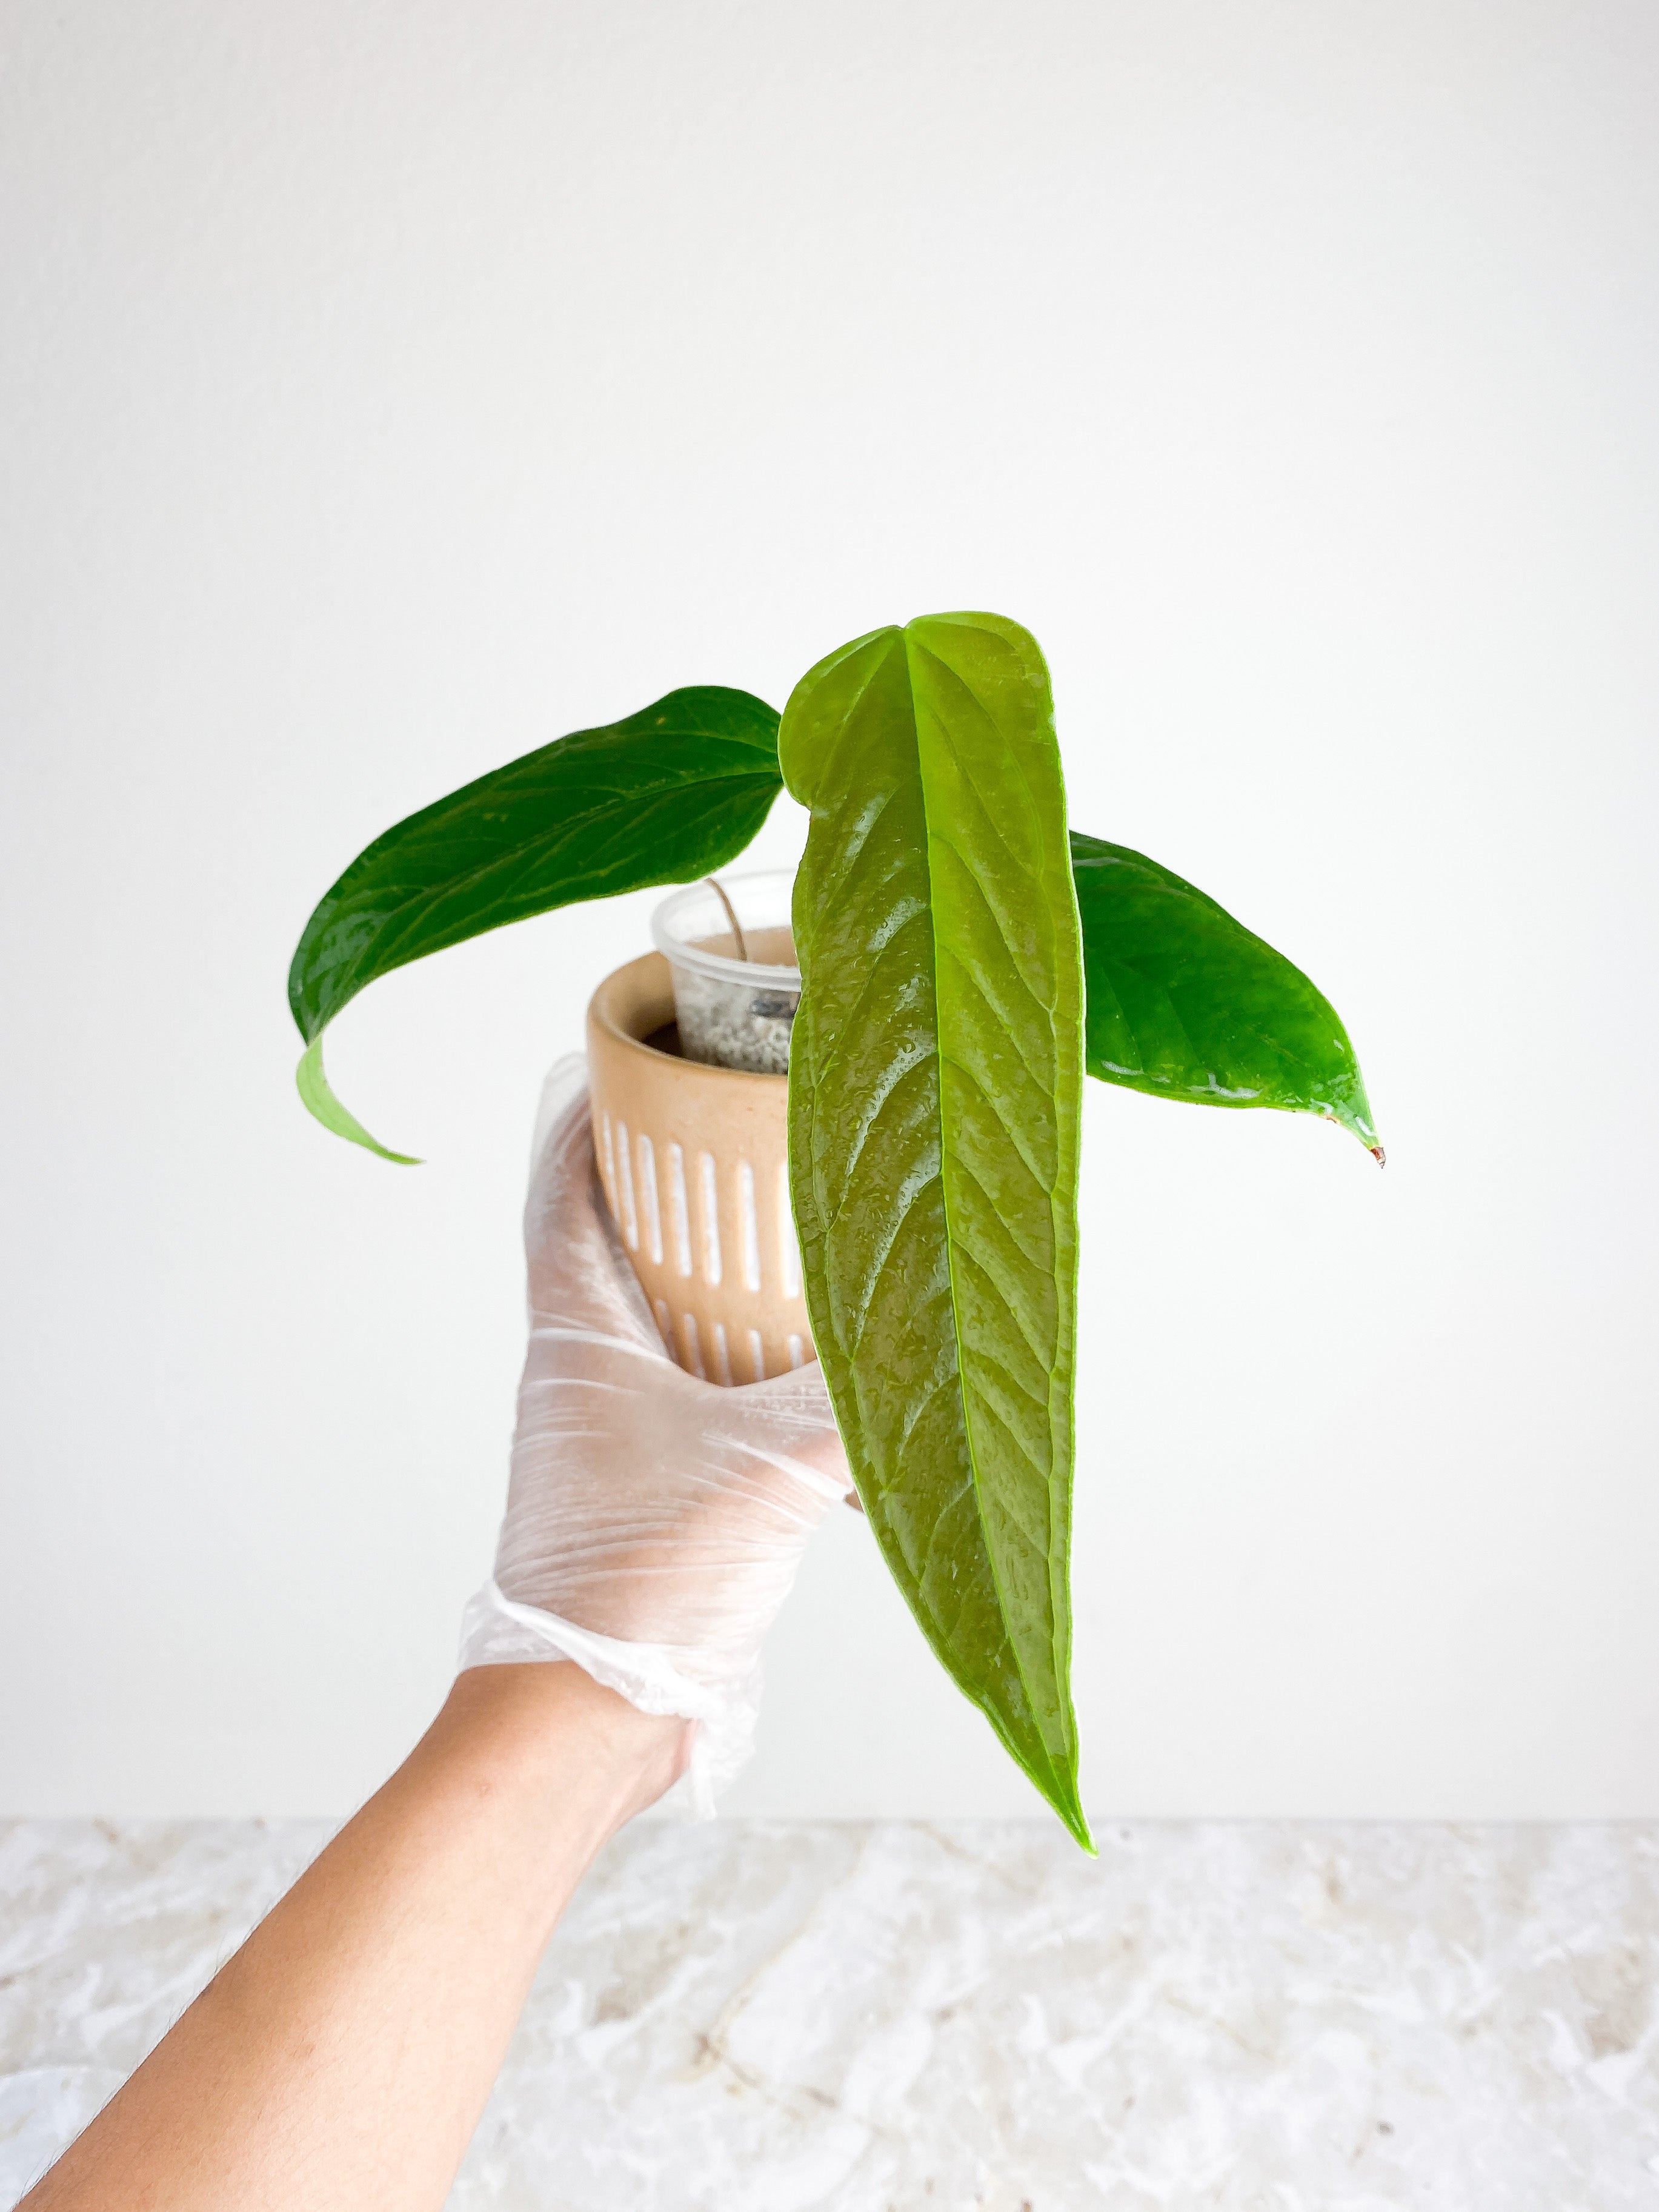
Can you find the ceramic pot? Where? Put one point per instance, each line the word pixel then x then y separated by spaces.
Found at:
pixel 695 1163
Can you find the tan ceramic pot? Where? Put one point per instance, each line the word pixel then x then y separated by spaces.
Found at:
pixel 695 1163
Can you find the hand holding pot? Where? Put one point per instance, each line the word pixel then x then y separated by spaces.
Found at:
pixel 654 1522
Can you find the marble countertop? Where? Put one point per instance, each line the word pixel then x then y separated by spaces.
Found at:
pixel 766 2017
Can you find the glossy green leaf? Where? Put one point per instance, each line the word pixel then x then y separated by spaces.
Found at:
pixel 934 1082
pixel 1184 1002
pixel 663 797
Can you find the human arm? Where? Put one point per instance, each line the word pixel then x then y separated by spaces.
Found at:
pixel 654 1527
pixel 342 2056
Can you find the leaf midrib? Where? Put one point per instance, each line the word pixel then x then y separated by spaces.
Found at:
pixel 1061 1647
pixel 568 826
pixel 992 1560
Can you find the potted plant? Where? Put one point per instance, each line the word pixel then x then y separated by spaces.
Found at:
pixel 965 959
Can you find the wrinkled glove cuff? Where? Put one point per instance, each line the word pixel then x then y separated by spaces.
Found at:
pixel 497 1632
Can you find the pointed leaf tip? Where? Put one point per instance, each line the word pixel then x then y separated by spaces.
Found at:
pixel 1077 1823
pixel 319 1100
pixel 1184 1002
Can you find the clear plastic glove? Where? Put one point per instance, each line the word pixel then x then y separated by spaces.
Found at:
pixel 654 1522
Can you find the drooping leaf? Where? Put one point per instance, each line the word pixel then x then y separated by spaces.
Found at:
pixel 669 794
pixel 320 1101
pixel 934 1102
pixel 1184 1002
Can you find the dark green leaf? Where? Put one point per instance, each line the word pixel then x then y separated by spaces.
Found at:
pixel 934 1096
pixel 668 795
pixel 1184 1002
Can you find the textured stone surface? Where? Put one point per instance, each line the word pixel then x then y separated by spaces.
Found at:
pixel 766 2018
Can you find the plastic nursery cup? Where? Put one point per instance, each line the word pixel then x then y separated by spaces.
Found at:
pixel 732 1013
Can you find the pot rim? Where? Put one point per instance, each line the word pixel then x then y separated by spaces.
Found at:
pixel 646 980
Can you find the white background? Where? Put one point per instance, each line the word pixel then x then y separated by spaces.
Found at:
pixel 385 389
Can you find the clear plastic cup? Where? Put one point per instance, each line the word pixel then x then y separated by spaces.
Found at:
pixel 732 1011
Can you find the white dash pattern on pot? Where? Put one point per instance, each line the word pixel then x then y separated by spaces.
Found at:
pixel 630 1220
pixel 679 1211
pixel 752 1272
pixel 711 1218
pixel 694 1162
pixel 648 1199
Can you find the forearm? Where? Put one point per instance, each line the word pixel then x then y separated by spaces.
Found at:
pixel 344 2056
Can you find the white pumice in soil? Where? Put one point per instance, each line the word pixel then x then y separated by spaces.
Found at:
pixel 734 1025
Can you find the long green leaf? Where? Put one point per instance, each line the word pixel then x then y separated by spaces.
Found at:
pixel 667 795
pixel 1185 1002
pixel 934 1082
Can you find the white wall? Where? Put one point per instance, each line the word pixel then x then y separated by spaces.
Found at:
pixel 387 388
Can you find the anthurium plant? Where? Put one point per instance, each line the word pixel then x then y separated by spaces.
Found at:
pixel 966 958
